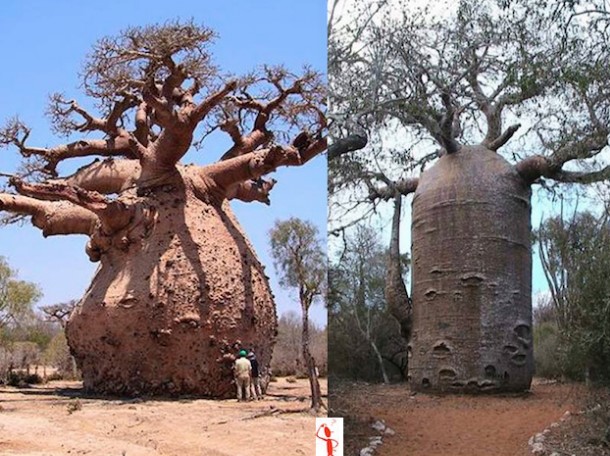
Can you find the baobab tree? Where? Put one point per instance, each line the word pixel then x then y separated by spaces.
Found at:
pixel 178 286
pixel 452 89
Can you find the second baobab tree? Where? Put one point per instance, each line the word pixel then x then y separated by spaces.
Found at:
pixel 453 89
pixel 178 286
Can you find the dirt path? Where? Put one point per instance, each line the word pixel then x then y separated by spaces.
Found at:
pixel 55 419
pixel 428 425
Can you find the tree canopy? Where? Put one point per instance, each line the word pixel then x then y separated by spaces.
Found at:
pixel 300 261
pixel 421 82
pixel 575 254
pixel 158 93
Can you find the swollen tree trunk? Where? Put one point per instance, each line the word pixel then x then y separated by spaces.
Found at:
pixel 310 362
pixel 179 288
pixel 472 266
pixel 172 297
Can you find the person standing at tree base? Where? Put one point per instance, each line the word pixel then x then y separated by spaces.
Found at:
pixel 243 371
pixel 255 385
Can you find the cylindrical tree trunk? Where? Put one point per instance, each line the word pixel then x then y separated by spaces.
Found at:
pixel 172 301
pixel 471 252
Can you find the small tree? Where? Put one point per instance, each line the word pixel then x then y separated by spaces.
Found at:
pixel 16 296
pixel 300 261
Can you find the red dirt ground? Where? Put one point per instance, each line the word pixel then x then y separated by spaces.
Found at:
pixel 427 425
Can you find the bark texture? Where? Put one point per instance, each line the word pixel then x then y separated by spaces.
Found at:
pixel 179 289
pixel 472 317
pixel 173 296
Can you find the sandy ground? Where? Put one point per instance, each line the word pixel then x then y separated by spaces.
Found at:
pixel 57 419
pixel 428 425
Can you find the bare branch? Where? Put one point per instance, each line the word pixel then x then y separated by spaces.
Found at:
pixel 113 214
pixel 226 174
pixel 403 187
pixel 446 125
pixel 345 145
pixel 504 137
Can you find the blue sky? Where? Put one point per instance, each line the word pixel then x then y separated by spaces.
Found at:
pixel 43 45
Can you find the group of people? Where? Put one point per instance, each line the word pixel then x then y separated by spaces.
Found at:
pixel 247 376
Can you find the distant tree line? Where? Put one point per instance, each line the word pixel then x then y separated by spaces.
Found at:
pixel 572 328
pixel 32 343
pixel 364 338
pixel 287 355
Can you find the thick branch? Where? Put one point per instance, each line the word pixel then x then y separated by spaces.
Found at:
pixel 504 137
pixel 142 131
pixel 538 166
pixel 53 218
pixel 113 214
pixel 403 187
pixel 345 145
pixel 254 165
pixel 550 167
pixel 446 126
pixel 119 146
pixel 105 177
pixel 254 190
pixel 203 108
pixel 244 144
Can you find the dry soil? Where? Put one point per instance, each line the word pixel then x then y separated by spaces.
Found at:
pixel 57 419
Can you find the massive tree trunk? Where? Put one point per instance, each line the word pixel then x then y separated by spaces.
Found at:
pixel 472 266
pixel 179 288
pixel 174 294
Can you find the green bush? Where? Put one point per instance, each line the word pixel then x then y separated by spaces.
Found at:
pixel 546 351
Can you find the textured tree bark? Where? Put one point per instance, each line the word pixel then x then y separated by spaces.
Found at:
pixel 175 292
pixel 471 255
pixel 179 288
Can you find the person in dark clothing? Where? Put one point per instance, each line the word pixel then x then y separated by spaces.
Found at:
pixel 255 384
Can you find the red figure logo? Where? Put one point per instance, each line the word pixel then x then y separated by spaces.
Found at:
pixel 331 444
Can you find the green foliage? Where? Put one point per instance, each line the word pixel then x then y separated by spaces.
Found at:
pixel 299 257
pixel 546 350
pixel 576 260
pixel 57 355
pixel 16 296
